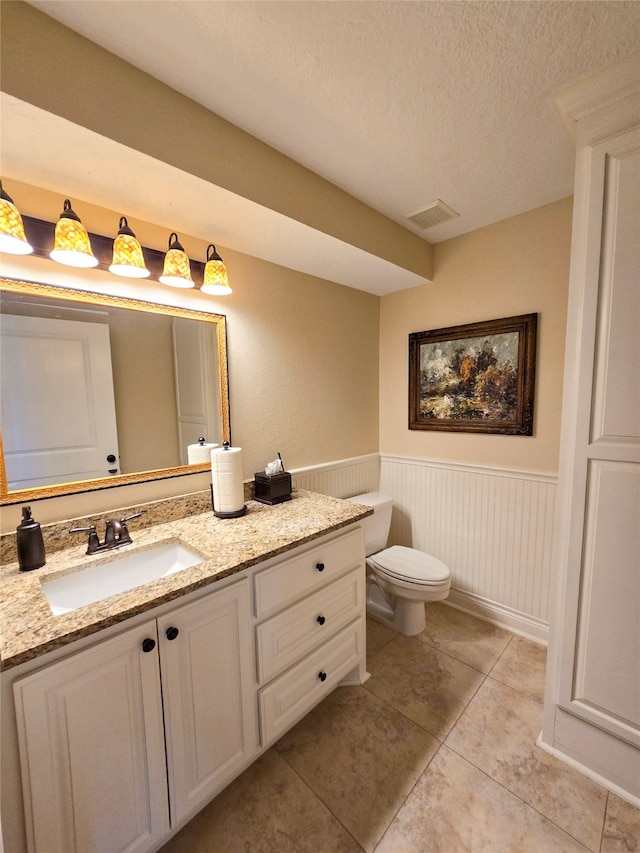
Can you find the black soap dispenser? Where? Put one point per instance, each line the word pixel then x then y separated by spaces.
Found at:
pixel 29 542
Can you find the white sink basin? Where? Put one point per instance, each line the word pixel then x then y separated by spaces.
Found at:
pixel 119 574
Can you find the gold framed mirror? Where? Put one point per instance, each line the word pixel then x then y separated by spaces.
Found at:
pixel 56 395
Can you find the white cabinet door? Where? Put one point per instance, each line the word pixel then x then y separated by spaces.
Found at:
pixel 592 701
pixel 209 697
pixel 92 749
pixel 600 677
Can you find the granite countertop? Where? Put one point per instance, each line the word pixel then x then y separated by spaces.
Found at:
pixel 29 628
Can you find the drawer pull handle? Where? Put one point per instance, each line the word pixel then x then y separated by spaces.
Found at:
pixel 321 620
pixel 148 645
pixel 320 567
pixel 172 633
pixel 322 676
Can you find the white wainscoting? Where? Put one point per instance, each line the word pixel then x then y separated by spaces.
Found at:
pixel 341 479
pixel 492 526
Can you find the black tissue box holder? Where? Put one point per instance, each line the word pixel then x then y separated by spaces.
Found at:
pixel 272 488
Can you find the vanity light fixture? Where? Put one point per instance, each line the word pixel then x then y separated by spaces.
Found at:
pixel 177 270
pixel 128 259
pixel 71 243
pixel 216 281
pixel 12 237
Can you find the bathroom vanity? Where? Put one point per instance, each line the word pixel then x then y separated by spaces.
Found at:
pixel 122 718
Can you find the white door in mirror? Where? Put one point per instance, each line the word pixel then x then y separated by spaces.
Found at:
pixel 58 406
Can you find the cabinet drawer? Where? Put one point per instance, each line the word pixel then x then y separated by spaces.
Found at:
pixel 285 638
pixel 292 579
pixel 283 702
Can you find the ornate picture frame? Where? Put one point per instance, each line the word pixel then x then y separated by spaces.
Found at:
pixel 477 377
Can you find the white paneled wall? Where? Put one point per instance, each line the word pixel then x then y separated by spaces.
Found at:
pixel 491 526
pixel 341 479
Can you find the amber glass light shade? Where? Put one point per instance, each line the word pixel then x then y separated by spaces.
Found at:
pixel 128 260
pixel 71 245
pixel 177 269
pixel 216 281
pixel 12 237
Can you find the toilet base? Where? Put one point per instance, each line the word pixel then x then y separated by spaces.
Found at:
pixel 406 617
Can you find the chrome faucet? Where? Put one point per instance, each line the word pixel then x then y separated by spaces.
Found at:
pixel 115 536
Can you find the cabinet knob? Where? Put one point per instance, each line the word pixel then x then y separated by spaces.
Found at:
pixel 148 645
pixel 321 620
pixel 322 676
pixel 320 567
pixel 172 633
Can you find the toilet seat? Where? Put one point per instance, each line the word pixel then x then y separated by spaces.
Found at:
pixel 409 565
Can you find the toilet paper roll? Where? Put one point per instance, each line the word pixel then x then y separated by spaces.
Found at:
pixel 200 452
pixel 227 479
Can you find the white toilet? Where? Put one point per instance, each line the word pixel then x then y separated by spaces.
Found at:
pixel 401 579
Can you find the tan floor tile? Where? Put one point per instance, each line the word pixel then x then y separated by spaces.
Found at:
pixel 455 808
pixel 621 827
pixel 466 638
pixel 360 757
pixel 522 666
pixel 497 733
pixel 378 635
pixel 429 687
pixel 267 809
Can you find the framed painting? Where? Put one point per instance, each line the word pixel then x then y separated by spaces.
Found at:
pixel 474 378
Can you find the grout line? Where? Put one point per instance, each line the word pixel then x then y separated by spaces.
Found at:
pixel 517 690
pixel 466 663
pixel 528 805
pixel 501 655
pixel 319 798
pixel 604 820
pixel 505 786
pixel 413 787
pixel 402 714
pixel 442 740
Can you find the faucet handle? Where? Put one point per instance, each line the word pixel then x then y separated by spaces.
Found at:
pixel 131 517
pixel 125 537
pixel 94 542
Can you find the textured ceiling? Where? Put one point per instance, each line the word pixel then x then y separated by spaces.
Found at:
pixel 399 103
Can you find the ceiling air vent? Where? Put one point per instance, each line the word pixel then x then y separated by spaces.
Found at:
pixel 433 214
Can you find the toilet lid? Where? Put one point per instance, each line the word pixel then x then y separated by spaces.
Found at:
pixel 411 565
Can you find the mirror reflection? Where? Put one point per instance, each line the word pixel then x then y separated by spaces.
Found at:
pixel 100 390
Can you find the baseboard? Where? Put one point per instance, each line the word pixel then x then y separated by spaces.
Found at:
pixel 498 614
pixel 596 777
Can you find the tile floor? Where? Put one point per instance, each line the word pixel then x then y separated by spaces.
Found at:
pixel 434 754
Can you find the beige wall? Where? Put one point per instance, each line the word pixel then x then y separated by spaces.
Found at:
pixel 302 352
pixel 517 266
pixel 122 103
pixel 145 391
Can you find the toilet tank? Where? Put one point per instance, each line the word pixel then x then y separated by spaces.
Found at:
pixel 376 526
